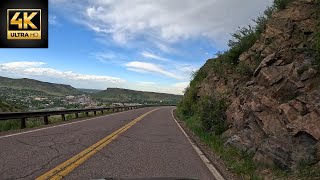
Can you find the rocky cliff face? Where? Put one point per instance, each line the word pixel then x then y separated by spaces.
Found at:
pixel 275 113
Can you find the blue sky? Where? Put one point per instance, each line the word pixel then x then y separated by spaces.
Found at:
pixel 146 45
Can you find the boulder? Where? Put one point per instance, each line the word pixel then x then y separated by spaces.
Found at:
pixel 269 76
pixel 275 152
pixel 270 122
pixel 310 73
pixel 290 113
pixel 309 123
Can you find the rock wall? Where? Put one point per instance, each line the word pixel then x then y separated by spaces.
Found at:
pixel 275 113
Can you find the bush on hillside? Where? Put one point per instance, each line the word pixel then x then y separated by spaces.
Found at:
pixel 197 77
pixel 242 40
pixel 261 21
pixel 281 4
pixel 212 114
pixel 188 106
pixel 244 70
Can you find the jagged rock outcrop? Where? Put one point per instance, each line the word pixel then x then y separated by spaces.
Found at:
pixel 275 113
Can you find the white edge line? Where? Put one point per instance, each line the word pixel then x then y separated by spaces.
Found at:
pixel 206 161
pixel 61 125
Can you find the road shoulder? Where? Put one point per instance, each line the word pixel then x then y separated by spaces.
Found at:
pixel 214 159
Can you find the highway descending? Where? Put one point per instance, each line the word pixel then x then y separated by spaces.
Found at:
pixel 138 143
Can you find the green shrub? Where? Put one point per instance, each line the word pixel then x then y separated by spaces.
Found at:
pixel 281 4
pixel 244 70
pixel 261 21
pixel 197 77
pixel 221 65
pixel 243 39
pixel 212 114
pixel 188 106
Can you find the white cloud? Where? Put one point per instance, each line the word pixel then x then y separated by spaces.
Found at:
pixel 20 65
pixel 35 69
pixel 146 83
pixel 53 20
pixel 109 57
pixel 144 67
pixel 153 56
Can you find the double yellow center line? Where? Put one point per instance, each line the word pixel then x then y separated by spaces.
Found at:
pixel 65 168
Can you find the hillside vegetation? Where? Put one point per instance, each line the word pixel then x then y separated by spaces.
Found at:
pixel 5 107
pixel 131 96
pixel 44 87
pixel 257 104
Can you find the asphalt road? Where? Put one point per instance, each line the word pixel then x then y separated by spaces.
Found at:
pixel 152 147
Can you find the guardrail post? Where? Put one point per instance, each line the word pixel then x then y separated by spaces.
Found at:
pixel 87 113
pixel 101 111
pixel 46 120
pixel 95 113
pixel 23 123
pixel 63 117
pixel 77 115
pixel 112 109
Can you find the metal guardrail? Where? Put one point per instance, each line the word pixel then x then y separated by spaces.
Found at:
pixel 23 116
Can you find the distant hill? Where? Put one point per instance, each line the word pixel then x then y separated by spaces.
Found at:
pixel 90 91
pixel 45 87
pixel 126 95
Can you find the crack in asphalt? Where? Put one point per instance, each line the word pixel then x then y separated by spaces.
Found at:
pixel 39 169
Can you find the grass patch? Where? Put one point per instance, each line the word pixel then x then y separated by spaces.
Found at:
pixel 9 125
pixel 237 161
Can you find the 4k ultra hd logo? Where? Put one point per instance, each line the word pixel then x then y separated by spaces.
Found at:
pixel 24 23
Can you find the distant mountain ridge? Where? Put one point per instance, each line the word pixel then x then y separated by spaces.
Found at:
pixel 127 95
pixel 109 95
pixel 31 84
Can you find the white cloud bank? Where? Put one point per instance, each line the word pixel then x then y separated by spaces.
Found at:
pixel 37 70
pixel 29 68
pixel 166 21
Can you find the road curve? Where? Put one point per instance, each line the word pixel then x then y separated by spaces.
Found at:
pixel 147 145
